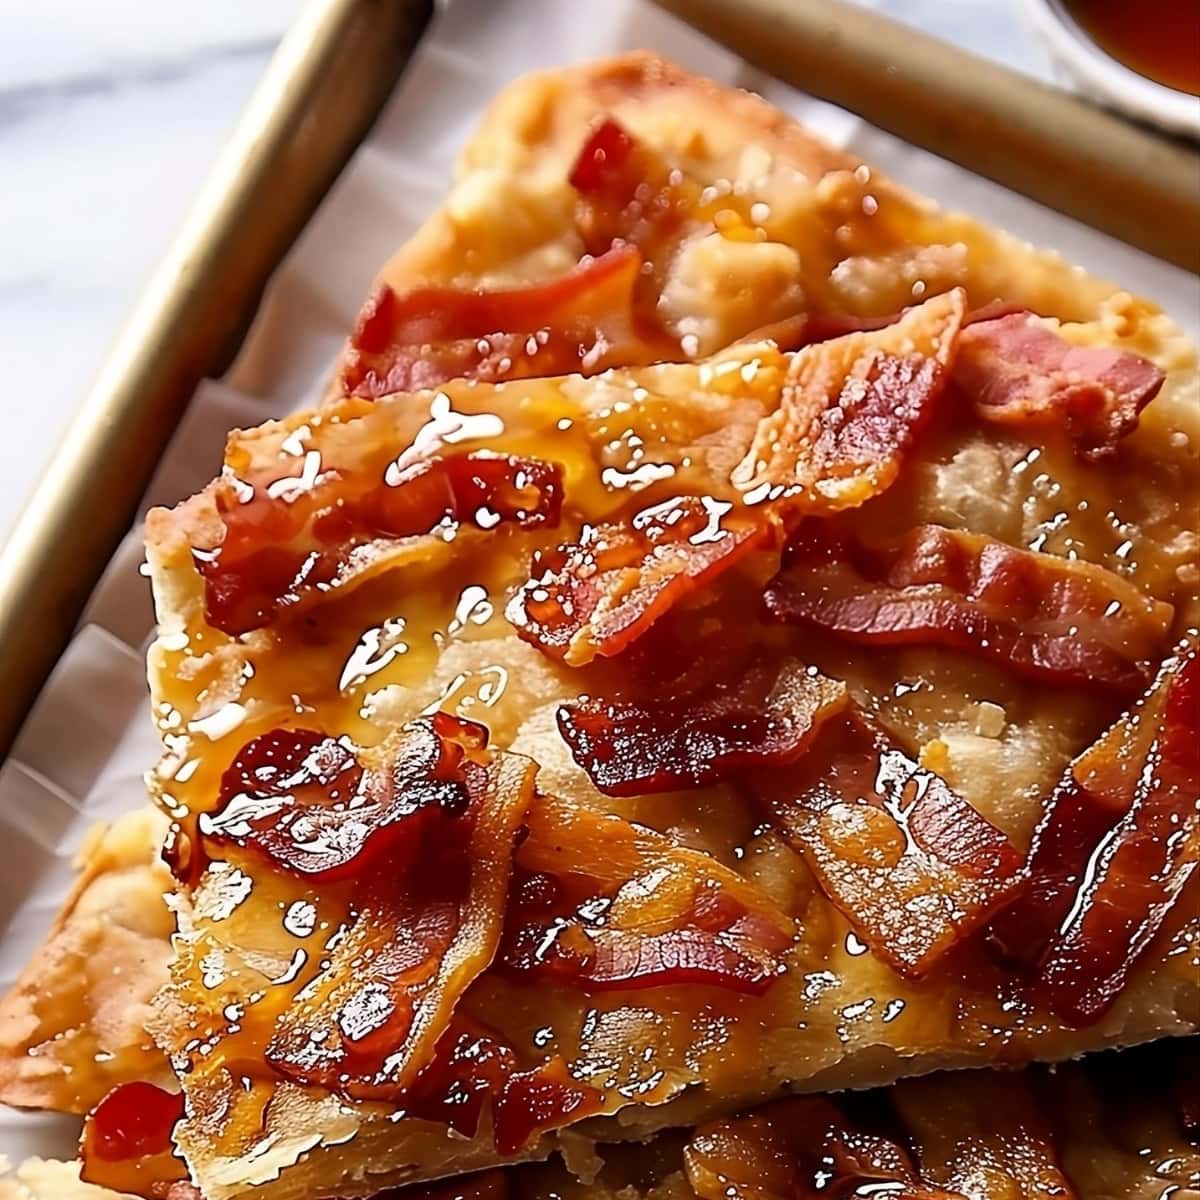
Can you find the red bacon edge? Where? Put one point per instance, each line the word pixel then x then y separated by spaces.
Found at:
pixel 1047 618
pixel 1117 845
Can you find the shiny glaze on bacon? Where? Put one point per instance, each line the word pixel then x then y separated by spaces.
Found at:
pixel 126 1141
pixel 581 322
pixel 909 863
pixel 320 807
pixel 287 539
pixel 473 1069
pixel 1019 372
pixel 851 409
pixel 640 746
pixel 805 1148
pixel 1117 844
pixel 426 922
pixel 598 595
pixel 600 904
pixel 1047 618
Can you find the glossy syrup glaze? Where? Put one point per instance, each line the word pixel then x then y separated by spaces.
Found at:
pixel 568 554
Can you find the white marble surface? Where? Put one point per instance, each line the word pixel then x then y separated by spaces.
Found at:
pixel 111 112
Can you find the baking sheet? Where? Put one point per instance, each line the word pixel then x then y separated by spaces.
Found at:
pixel 82 754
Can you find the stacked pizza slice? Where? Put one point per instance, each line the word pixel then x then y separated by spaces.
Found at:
pixel 728 631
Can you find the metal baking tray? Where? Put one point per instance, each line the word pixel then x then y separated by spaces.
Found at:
pixel 325 86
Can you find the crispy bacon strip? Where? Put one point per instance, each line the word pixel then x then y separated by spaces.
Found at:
pixel 583 321
pixel 1047 618
pixel 627 196
pixel 286 540
pixel 634 747
pixel 322 808
pixel 603 904
pixel 599 595
pixel 1019 372
pixel 1119 840
pixel 851 409
pixel 426 926
pixel 802 1148
pixel 909 863
pixel 473 1067
pixel 126 1142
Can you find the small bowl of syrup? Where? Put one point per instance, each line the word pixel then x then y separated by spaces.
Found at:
pixel 1140 56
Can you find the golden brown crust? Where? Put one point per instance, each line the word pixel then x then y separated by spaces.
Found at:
pixel 74 1023
pixel 854 243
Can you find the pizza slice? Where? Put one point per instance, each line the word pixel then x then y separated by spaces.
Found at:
pixel 514 793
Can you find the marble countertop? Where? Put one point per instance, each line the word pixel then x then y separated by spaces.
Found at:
pixel 111 113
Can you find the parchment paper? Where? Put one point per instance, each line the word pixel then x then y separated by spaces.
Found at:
pixel 82 755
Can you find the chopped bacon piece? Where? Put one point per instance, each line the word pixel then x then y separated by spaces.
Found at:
pixel 1119 840
pixel 602 904
pixel 584 321
pixel 286 540
pixel 803 1148
pixel 537 1100
pixel 602 159
pixel 1020 372
pixel 320 807
pixel 632 747
pixel 126 1142
pixel 597 596
pixel 852 408
pixel 910 864
pixel 1048 618
pixel 627 195
pixel 425 928
pixel 472 1067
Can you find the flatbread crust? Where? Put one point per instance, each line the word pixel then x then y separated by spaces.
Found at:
pixel 1103 1129
pixel 74 1024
